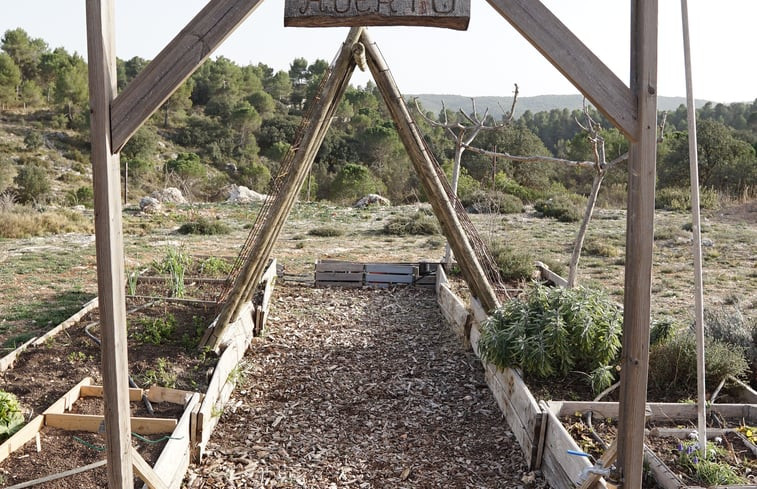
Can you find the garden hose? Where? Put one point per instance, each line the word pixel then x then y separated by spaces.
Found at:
pixel 132 384
pixel 588 415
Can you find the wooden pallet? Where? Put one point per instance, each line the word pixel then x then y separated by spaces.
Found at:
pixel 335 273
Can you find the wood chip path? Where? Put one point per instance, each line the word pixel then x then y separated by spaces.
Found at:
pixel 363 389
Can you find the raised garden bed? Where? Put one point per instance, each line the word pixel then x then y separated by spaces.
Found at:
pixel 163 335
pixel 546 442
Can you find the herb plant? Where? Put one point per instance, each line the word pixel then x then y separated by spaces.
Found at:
pixel 550 332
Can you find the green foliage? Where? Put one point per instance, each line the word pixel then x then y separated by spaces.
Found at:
pixel 156 331
pixel 550 332
pixel 11 418
pixel 731 327
pixel 419 224
pixel 354 181
pixel 326 231
pixel 563 207
pixel 161 375
pixel 673 364
pixel 205 227
pixel 215 266
pixel 33 140
pixel 507 185
pixel 679 199
pixel 492 202
pixel 255 176
pixel 141 145
pixel 713 470
pixel 175 264
pixel 82 196
pixel 187 165
pixel 514 264
pixel 33 184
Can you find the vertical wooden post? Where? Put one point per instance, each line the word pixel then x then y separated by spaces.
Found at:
pixel 445 212
pixel 109 242
pixel 639 244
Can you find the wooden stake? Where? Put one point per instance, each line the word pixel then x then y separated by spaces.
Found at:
pixel 423 164
pixel 697 232
pixel 109 241
pixel 639 244
pixel 252 272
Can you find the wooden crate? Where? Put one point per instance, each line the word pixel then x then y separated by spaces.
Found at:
pixel 339 274
pixel 378 274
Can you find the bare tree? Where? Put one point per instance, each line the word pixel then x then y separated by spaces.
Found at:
pixel 600 166
pixel 463 132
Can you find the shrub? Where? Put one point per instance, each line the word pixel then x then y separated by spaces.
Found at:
pixel 730 327
pixel 82 196
pixel 326 231
pixel 419 223
pixel 563 207
pixel 597 247
pixel 33 183
pixel 673 364
pixel 11 418
pixel 33 140
pixel 205 227
pixel 492 202
pixel 354 181
pixel 23 222
pixel 187 165
pixel 507 185
pixel 513 264
pixel 679 199
pixel 550 332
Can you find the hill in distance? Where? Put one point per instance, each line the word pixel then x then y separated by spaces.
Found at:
pixel 499 105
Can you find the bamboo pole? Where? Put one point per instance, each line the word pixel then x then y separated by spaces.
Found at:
pixel 445 212
pixel 109 242
pixel 639 244
pixel 327 102
pixel 697 232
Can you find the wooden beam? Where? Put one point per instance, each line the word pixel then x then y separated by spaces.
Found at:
pixel 93 423
pixel 173 462
pixel 60 475
pixel 172 66
pixel 574 60
pixel 326 102
pixel 639 244
pixel 424 166
pixel 98 391
pixel 106 176
pixel 145 472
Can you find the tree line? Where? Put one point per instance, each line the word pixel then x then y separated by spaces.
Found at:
pixel 233 124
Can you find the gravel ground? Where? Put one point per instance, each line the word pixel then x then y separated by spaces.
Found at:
pixel 365 389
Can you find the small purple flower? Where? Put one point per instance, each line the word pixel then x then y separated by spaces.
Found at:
pixel 695 459
pixel 680 447
pixel 690 449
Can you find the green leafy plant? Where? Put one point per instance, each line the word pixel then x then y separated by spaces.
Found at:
pixel 156 330
pixel 131 282
pixel 550 332
pixel 175 264
pixel 679 199
pixel 711 470
pixel 214 266
pixel 11 418
pixel 160 375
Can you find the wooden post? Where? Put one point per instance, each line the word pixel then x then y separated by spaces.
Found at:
pixel 639 244
pixel 445 212
pixel 109 242
pixel 250 275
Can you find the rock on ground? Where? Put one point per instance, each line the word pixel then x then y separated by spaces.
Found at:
pixel 239 194
pixel 149 205
pixel 365 389
pixel 372 199
pixel 171 195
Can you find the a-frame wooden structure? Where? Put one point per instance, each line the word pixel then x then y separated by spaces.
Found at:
pixel 115 118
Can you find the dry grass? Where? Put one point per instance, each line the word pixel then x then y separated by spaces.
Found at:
pixel 21 222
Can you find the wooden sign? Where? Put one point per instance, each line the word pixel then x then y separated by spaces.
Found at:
pixel 452 14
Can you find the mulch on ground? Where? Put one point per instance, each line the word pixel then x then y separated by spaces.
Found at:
pixel 361 388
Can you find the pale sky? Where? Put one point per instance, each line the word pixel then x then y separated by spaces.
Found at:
pixel 485 60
